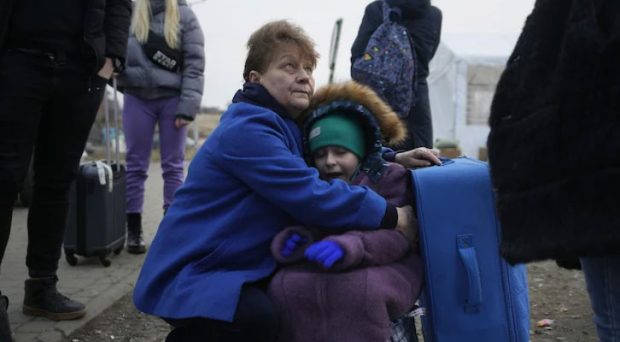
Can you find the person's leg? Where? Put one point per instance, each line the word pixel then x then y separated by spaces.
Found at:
pixel 603 282
pixel 255 320
pixel 22 90
pixel 172 149
pixel 139 119
pixel 63 130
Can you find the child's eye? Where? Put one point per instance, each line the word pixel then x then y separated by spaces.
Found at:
pixel 319 154
pixel 340 150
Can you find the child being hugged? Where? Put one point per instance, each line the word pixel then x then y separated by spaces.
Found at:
pixel 348 286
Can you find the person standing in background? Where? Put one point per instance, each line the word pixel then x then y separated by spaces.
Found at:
pixel 423 22
pixel 166 94
pixel 55 60
pixel 554 147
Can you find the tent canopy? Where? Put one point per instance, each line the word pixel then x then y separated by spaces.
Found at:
pixel 462 80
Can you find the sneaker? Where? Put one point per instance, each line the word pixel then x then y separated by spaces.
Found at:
pixel 43 299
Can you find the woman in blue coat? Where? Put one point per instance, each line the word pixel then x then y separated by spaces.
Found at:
pixel 208 264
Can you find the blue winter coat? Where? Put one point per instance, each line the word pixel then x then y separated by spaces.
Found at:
pixel 247 182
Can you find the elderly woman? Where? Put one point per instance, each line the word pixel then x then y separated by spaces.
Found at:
pixel 209 263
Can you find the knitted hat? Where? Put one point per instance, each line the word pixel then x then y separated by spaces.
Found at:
pixel 336 129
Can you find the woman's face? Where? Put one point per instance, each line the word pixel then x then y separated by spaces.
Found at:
pixel 335 162
pixel 288 79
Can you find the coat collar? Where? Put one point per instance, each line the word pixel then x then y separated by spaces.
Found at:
pixel 256 94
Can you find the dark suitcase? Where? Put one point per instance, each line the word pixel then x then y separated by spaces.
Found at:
pixel 471 292
pixel 96 223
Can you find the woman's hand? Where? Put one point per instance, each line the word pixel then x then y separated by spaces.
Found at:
pixel 107 69
pixel 180 122
pixel 418 157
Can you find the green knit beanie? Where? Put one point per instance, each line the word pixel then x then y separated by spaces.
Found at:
pixel 336 129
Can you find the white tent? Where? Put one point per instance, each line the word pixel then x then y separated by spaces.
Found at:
pixel 462 81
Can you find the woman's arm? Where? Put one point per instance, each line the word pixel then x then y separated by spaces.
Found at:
pixel 258 150
pixel 192 82
pixel 116 29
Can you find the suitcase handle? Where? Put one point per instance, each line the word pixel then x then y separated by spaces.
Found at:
pixel 467 252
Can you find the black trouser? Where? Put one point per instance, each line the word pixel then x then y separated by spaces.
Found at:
pixel 255 320
pixel 48 103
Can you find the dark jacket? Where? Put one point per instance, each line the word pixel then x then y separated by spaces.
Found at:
pixel 423 22
pixel 106 28
pixel 554 145
pixel 240 190
pixel 380 277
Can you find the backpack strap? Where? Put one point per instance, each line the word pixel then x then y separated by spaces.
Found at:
pixel 388 11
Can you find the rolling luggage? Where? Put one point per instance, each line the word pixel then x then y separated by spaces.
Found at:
pixel 96 224
pixel 471 293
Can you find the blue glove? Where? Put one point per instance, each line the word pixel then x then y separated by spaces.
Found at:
pixel 324 252
pixel 291 244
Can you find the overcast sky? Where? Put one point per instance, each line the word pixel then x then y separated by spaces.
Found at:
pixel 227 25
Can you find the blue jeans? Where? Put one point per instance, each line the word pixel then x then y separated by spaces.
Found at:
pixel 603 282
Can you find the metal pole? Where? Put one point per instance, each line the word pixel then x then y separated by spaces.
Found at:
pixel 333 50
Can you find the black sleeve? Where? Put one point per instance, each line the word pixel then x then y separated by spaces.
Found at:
pixel 437 23
pixel 116 27
pixel 373 17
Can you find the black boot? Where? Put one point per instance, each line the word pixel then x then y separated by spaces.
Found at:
pixel 5 326
pixel 135 242
pixel 43 299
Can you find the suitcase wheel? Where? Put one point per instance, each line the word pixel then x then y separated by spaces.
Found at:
pixel 118 250
pixel 70 256
pixel 103 259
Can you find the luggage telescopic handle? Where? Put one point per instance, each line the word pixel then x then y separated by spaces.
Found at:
pixel 467 252
pixel 106 114
pixel 116 124
pixel 106 111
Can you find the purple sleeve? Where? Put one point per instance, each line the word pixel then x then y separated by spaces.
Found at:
pixel 374 248
pixel 278 242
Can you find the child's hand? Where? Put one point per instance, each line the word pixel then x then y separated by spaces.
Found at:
pixel 291 244
pixel 324 252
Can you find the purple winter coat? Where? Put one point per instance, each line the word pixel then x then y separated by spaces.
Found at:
pixel 377 281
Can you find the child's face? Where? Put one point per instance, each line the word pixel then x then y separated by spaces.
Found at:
pixel 335 162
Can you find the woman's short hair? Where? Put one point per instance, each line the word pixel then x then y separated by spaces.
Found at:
pixel 267 39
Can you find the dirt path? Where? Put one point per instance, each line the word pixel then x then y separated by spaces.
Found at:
pixel 555 293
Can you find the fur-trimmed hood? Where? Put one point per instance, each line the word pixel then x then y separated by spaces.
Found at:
pixel 392 130
pixel 381 124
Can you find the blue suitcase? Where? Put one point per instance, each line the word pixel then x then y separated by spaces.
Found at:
pixel 471 293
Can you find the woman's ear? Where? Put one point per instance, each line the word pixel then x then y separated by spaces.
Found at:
pixel 254 76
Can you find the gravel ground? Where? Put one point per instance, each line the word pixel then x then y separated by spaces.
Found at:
pixel 556 294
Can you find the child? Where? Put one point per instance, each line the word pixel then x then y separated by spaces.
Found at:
pixel 363 280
